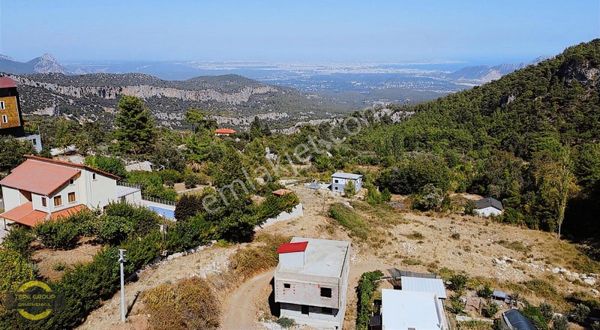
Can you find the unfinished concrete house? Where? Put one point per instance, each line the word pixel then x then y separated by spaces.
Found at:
pixel 311 281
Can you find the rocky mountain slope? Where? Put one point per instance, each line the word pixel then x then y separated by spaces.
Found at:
pixel 232 99
pixel 43 64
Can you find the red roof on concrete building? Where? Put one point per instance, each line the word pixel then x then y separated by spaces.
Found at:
pixel 225 131
pixel 26 215
pixel 44 176
pixel 292 247
pixel 6 82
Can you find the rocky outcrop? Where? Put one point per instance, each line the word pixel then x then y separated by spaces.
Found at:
pixel 147 91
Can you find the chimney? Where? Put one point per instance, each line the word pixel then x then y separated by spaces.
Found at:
pixel 292 255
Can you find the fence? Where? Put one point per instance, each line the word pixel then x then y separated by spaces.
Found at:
pixel 158 200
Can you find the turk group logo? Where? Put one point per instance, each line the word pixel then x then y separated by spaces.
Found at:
pixel 34 300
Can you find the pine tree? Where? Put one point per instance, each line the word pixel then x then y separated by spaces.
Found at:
pixel 135 131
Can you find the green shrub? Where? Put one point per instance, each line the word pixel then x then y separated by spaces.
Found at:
pixel 367 285
pixel 560 322
pixel 415 172
pixel 350 220
pixel 274 205
pixel 580 313
pixel 349 189
pixel 535 315
pixel 58 234
pixel 285 322
pixel 189 234
pixel 191 180
pixel 19 239
pixel 490 309
pixel 547 311
pixel 14 270
pixel 458 282
pixel 430 198
pixel 141 251
pixel 108 164
pixel 170 175
pixel 188 206
pixel 456 305
pixel 485 291
pixel 113 229
pixel 143 220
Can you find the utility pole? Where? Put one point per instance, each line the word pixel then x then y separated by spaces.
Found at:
pixel 121 262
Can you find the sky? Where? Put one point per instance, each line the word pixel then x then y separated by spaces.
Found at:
pixel 300 31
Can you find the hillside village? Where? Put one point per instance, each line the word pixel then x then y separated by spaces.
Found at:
pixel 369 224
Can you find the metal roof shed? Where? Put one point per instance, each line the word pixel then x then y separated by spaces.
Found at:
pixel 350 176
pixel 516 321
pixel 404 310
pixel 419 284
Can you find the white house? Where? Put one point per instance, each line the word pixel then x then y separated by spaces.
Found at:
pixel 487 207
pixel 339 180
pixel 41 189
pixel 311 281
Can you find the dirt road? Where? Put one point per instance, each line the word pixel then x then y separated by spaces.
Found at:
pixel 241 308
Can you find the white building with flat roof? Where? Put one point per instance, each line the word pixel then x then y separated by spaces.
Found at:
pixel 311 281
pixel 411 310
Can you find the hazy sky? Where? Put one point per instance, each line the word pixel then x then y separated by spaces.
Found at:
pixel 295 31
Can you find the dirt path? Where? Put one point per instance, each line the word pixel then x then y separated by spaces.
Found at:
pixel 212 260
pixel 241 308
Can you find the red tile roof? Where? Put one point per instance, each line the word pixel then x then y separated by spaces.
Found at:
pixel 62 162
pixel 44 176
pixel 67 212
pixel 292 247
pixel 39 177
pixel 225 131
pixel 26 215
pixel 6 82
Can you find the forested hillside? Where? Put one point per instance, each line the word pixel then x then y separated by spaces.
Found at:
pixel 530 139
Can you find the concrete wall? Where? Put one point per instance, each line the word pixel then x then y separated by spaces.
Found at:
pixel 307 292
pixel 36 200
pixel 296 212
pixel 75 187
pixel 488 211
pixel 133 198
pixel 12 198
pixel 100 191
pixel 315 318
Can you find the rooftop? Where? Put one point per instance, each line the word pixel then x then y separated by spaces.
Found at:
pixel 418 284
pixel 225 131
pixel 403 310
pixel 343 175
pixel 292 247
pixel 39 177
pixel 26 215
pixel 487 202
pixel 323 257
pixel 6 82
pixel 49 174
pixel 515 319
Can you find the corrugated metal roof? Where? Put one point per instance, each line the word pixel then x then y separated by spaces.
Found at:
pixel 402 310
pixel 343 175
pixel 418 284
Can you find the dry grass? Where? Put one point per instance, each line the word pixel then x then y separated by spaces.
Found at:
pixel 250 261
pixel 186 304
